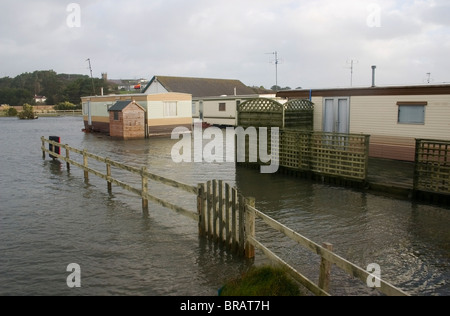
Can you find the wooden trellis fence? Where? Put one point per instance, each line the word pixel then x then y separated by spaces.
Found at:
pixel 432 166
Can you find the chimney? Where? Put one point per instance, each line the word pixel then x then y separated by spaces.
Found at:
pixel 373 76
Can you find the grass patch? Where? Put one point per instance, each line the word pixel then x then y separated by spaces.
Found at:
pixel 263 281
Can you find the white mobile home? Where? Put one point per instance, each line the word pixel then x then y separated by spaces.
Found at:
pixel 222 111
pixel 394 116
pixel 163 112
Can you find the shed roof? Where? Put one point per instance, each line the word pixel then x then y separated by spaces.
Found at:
pixel 202 87
pixel 121 105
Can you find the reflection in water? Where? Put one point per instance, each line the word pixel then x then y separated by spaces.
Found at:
pixel 50 217
pixel 409 241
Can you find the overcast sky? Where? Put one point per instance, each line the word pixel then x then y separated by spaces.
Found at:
pixel 231 39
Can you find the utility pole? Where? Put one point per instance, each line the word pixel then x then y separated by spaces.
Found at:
pixel 352 66
pixel 277 62
pixel 92 77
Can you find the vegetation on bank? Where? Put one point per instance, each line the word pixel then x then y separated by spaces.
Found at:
pixel 27 113
pixel 55 87
pixel 263 281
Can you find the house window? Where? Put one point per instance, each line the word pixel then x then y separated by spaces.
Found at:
pixel 170 109
pixel 411 113
pixel 116 116
pixel 194 109
pixel 222 107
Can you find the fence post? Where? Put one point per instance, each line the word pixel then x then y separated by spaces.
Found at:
pixel 416 166
pixel 234 212
pixel 43 147
pixel 201 208
pixel 249 228
pixel 67 157
pixel 227 215
pixel 367 153
pixel 325 270
pixel 241 244
pixel 144 190
pixel 85 164
pixel 208 209
pixel 214 208
pixel 221 204
pixel 108 174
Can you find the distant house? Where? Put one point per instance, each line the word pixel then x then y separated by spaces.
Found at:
pixel 163 112
pixel 393 116
pixel 40 99
pixel 214 101
pixel 197 87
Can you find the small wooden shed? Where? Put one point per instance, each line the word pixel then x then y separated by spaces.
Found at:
pixel 127 120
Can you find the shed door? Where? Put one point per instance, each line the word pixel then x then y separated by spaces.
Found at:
pixel 336 115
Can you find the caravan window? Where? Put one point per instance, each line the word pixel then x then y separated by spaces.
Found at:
pixel 170 109
pixel 409 113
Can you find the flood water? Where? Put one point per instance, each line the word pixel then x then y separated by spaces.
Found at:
pixel 50 217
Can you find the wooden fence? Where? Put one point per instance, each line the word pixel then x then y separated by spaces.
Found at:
pixel 224 216
pixel 263 112
pixel 107 176
pixel 344 156
pixel 432 166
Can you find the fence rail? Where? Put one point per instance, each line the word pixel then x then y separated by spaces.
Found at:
pixel 142 172
pixel 225 216
pixel 325 252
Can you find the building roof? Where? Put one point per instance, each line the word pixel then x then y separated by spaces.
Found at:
pixel 372 91
pixel 202 87
pixel 121 105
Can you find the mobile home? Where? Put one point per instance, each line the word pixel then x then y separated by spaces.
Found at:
pixel 163 112
pixel 394 116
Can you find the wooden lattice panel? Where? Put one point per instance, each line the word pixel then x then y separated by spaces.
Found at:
pixel 341 155
pixel 260 105
pixel 432 168
pixel 299 105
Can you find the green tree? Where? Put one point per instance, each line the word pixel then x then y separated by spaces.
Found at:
pixel 278 88
pixel 11 112
pixel 27 113
pixel 83 88
pixel 66 106
pixel 14 96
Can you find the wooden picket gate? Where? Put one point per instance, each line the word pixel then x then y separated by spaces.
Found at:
pixel 223 216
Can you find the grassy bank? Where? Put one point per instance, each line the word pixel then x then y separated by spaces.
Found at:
pixel 262 281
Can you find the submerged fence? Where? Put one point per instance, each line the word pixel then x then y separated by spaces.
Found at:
pixel 344 156
pixel 223 215
pixel 432 167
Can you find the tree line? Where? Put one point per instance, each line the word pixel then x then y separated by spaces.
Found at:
pixel 57 88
